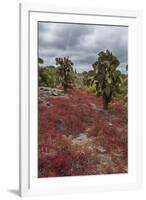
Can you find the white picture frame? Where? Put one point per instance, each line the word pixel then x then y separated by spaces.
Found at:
pixel 30 185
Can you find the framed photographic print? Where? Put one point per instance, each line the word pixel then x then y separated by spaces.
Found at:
pixel 80 100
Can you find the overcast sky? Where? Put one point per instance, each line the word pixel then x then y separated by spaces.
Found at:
pixel 81 43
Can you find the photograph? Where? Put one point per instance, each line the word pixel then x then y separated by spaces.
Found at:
pixel 82 99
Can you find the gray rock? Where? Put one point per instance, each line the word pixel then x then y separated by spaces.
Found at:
pixel 47 91
pixel 93 106
pixel 101 149
pixel 80 139
pixel 54 93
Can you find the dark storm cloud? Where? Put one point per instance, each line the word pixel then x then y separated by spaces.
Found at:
pixel 82 43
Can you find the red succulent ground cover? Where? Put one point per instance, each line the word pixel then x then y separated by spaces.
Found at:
pixel 77 137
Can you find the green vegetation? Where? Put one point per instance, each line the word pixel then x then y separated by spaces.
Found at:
pixel 122 94
pixel 91 89
pixel 40 61
pixel 48 76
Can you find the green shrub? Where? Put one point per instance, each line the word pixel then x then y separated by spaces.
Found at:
pixel 91 89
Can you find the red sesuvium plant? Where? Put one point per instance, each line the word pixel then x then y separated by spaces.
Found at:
pixel 63 119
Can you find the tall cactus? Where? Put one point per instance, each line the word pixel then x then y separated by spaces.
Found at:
pixel 107 77
pixel 65 70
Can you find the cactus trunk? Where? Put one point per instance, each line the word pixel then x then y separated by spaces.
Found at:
pixel 105 102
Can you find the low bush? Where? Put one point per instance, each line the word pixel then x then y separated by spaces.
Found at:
pixel 91 89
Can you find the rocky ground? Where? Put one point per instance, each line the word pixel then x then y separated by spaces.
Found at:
pixel 77 137
pixel 46 91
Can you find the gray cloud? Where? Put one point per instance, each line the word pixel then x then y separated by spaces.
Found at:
pixel 81 43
